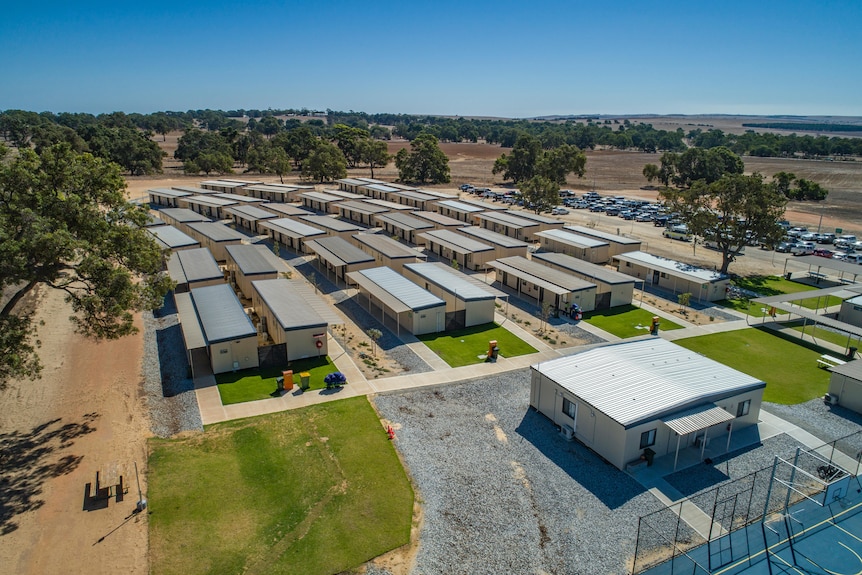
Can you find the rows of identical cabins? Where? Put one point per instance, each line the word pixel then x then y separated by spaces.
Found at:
pixel 242 306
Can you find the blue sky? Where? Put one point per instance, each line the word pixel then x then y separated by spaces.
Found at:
pixel 498 58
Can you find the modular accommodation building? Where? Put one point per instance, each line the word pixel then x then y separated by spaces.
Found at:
pixel 194 268
pixel 247 217
pixel 352 185
pixel 270 193
pixel 438 220
pixel 402 225
pixel 616 244
pixel 170 238
pixel 504 246
pixel 851 311
pixel 545 285
pixel 320 202
pixel 215 236
pixel 338 256
pixel 166 197
pixel 291 233
pixel 415 199
pixel 386 251
pixel 508 225
pixel 228 186
pixel 569 243
pixel 193 190
pixel 210 206
pixel 360 211
pixel 376 191
pixel 612 287
pixel 331 225
pixel 466 252
pixel 676 277
pixel 410 307
pixel 228 333
pixel 287 319
pixel 252 262
pixel 180 218
pixel 623 398
pixel 239 199
pixel 545 223
pixel 845 385
pixel 458 210
pixel 469 301
pixel 286 210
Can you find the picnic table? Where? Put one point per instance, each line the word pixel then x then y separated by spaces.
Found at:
pixel 109 481
pixel 828 361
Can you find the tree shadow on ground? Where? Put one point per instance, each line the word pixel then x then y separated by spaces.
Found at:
pixel 29 459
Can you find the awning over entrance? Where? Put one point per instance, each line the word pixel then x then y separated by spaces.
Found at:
pixel 697 418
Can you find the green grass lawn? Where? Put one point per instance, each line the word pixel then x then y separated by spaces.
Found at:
pixel 317 490
pixel 254 384
pixel 626 321
pixel 789 367
pixel 826 335
pixel 462 347
pixel 773 285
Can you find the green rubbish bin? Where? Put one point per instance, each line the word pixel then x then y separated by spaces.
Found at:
pixel 304 378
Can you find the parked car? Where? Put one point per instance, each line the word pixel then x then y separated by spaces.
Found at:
pixel 660 220
pixel 823 253
pixel 466 187
pixel 597 207
pixel 678 232
pixel 628 215
pixel 846 238
pixel 803 248
pixel 643 217
pixel 809 237
pixel 797 231
pixel 559 211
pixel 826 238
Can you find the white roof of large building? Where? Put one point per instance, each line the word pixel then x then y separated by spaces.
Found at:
pixel 672 267
pixel 636 381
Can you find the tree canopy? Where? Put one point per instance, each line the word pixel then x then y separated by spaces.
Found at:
pixel 528 160
pixel 425 163
pixel 540 193
pixel 325 163
pixel 65 224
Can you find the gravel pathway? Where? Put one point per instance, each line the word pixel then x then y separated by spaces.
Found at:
pixel 168 388
pixel 502 491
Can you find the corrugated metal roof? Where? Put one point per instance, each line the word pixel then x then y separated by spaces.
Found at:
pixel 402 220
pixel 217 231
pixel 193 335
pixel 330 223
pixel 508 220
pixel 813 316
pixel 415 195
pixel 672 267
pixel 211 201
pixel 524 268
pixel 252 259
pixel 380 188
pixel 486 206
pixel 288 307
pixel 362 207
pixel 387 246
pixel 221 314
pixel 168 193
pixel 842 291
pixel 456 242
pixel 461 206
pixel 320 196
pixel 551 287
pixel 535 217
pixel 608 237
pixel 391 206
pixel 461 285
pixel 183 215
pixel 636 381
pixel 396 291
pixel 584 268
pixel 172 238
pixel 196 265
pixel 350 181
pixel 194 191
pixel 253 213
pixel 439 195
pixel 344 195
pixel 238 198
pixel 493 237
pixel 302 288
pixel 338 251
pixel 850 369
pixel 571 239
pixel 696 418
pixel 292 228
pixel 437 218
pixel 286 209
pixel 829 264
pixel 272 189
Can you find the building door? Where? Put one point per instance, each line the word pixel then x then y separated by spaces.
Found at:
pixel 655 276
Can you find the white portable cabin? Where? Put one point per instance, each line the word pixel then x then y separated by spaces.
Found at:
pixel 288 320
pixel 215 236
pixel 291 233
pixel 386 251
pixel 582 247
pixel 252 262
pixel 180 218
pixel 247 217
pixel 229 335
pixel 170 238
pixel 617 244
pixel 339 257
pixel 466 252
pixel 469 301
pixel 678 277
pixel 331 225
pixel 194 268
pixel 612 288
pixel 504 246
pixel 545 285
pixel 402 225
pixel 166 197
pixel 508 225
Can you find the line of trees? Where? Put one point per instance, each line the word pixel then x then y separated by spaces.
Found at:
pixel 769 145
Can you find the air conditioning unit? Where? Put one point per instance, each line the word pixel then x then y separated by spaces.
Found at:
pixel 567 432
pixel 831 399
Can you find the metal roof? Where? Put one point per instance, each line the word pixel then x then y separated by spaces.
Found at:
pixel 338 251
pixel 842 291
pixel 301 287
pixel 493 237
pixel 330 223
pixel 320 196
pixel 168 193
pixel 435 193
pixel 351 181
pixel 571 239
pixel 483 205
pixel 183 215
pixel 194 191
pixel 221 314
pixel 271 189
pixel 815 317
pixel 288 307
pixel 697 418
pixel 608 237
pixel 153 220
pixel 584 268
pixel 380 188
pixel 463 286
pixel 226 183
pixel 211 201
pixel 437 218
pixel 850 369
pixel 217 232
pixel 285 209
pixel 362 206
pixel 193 266
pixel 172 238
pixel 508 220
pixel 402 220
pixel 524 268
pixel 391 206
pixel 253 259
pixel 193 335
pixel 642 380
pixel 344 195
pixel 292 228
pixel 535 217
pixel 394 290
pixel 415 195
pixel 461 206
pixel 456 242
pixel 829 264
pixel 672 267
pixel 250 213
pixel 238 198
pixel 387 246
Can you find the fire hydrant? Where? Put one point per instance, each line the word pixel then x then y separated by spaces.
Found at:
pixel 390 432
